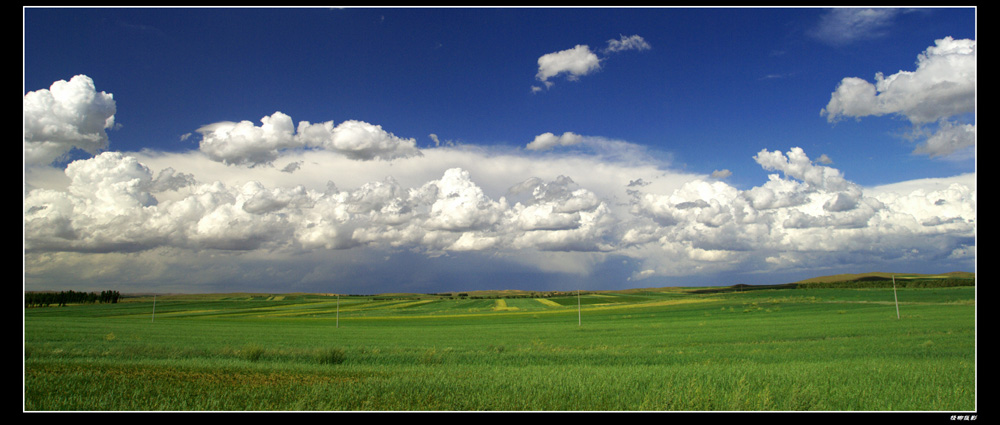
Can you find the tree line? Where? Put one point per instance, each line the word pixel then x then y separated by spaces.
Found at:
pixel 885 282
pixel 45 299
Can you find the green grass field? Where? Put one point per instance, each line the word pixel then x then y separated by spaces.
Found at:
pixel 662 350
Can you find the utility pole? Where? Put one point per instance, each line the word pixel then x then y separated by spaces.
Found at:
pixel 153 318
pixel 579 315
pixel 338 311
pixel 895 296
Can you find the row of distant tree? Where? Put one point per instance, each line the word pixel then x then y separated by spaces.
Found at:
pixel 884 282
pixel 45 299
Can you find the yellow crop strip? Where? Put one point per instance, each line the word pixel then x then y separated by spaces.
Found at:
pixel 329 308
pixel 501 305
pixel 182 313
pixel 410 304
pixel 548 302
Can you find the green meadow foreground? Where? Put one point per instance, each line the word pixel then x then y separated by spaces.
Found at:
pixel 658 349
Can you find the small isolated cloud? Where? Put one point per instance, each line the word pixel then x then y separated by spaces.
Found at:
pixel 575 62
pixel 775 76
pixel 941 88
pixel 721 174
pixel 847 25
pixel 547 141
pixel 634 42
pixel 69 114
pixel 580 60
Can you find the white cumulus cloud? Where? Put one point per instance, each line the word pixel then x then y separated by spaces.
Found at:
pixel 357 140
pixel 941 89
pixel 575 62
pixel 949 139
pixel 809 216
pixel 244 143
pixel 548 141
pixel 943 85
pixel 633 42
pixel 69 114
pixel 581 60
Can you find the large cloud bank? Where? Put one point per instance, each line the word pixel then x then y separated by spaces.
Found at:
pixel 804 215
pixel 311 201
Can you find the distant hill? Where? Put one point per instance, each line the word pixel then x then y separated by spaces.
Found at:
pixel 886 276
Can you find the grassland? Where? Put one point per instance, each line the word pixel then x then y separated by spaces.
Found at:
pixel 825 349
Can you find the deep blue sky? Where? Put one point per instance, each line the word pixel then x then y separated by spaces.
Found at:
pixel 716 87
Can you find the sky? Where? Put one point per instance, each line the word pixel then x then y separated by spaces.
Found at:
pixel 377 150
